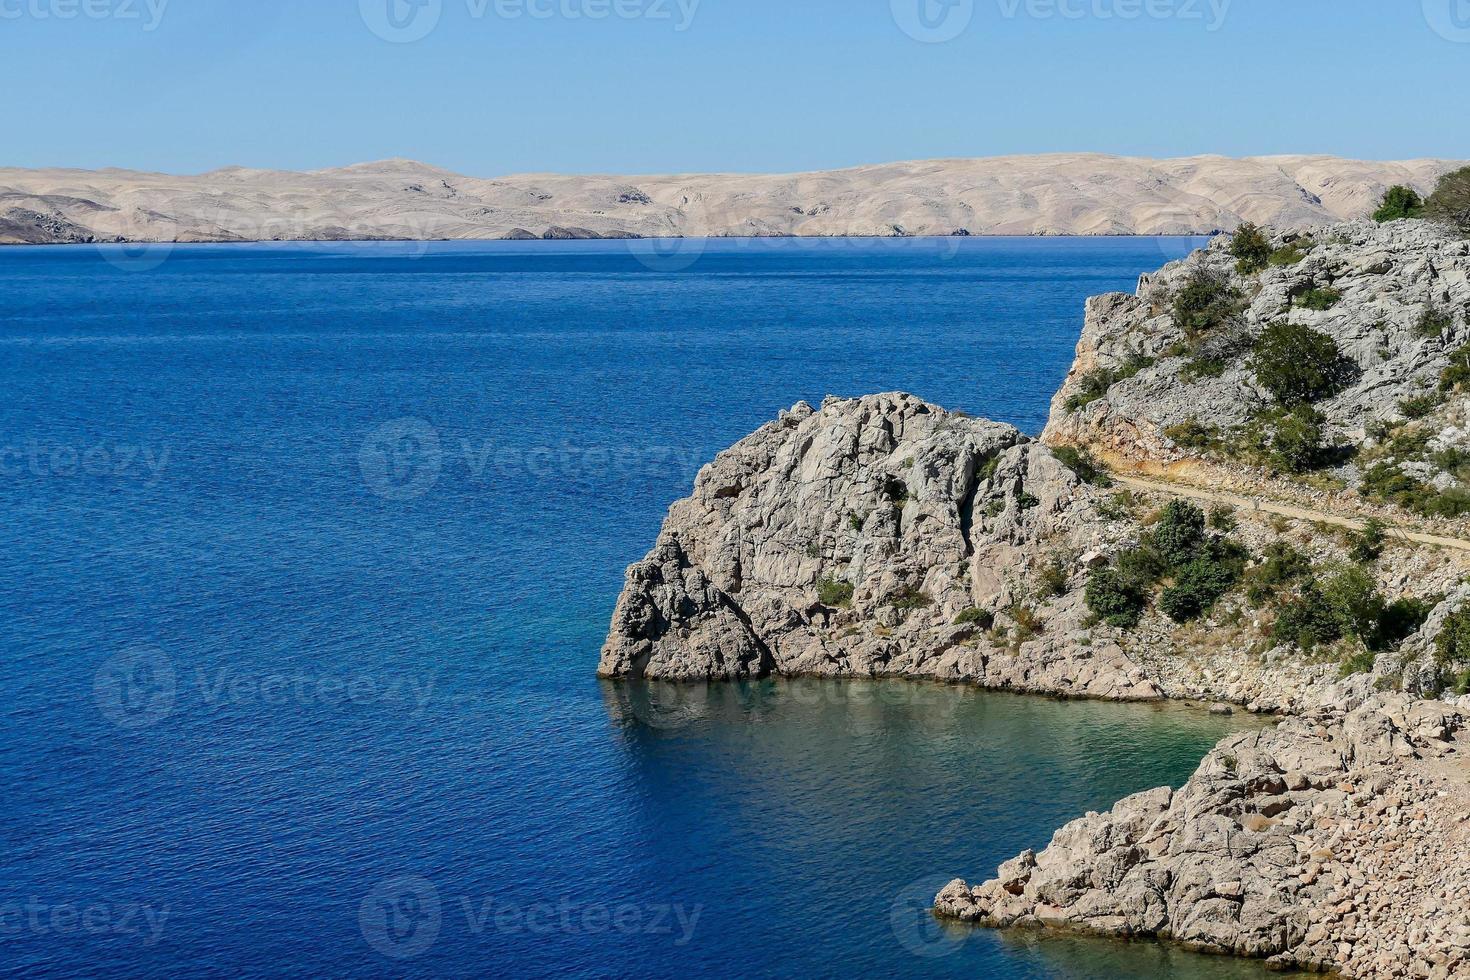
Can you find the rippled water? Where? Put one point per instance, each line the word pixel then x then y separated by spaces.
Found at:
pixel 307 553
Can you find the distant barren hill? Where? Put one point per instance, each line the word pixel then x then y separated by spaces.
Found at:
pixel 1060 194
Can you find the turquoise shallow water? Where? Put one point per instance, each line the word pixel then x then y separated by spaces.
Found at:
pixel 307 553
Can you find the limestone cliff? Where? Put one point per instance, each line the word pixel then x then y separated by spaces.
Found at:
pixel 879 536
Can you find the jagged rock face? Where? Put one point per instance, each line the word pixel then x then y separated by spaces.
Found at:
pixel 921 513
pixel 1387 274
pixel 1328 843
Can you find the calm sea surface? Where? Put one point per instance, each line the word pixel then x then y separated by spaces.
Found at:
pixel 307 553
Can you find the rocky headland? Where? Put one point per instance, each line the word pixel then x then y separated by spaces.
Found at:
pixel 1054 194
pixel 1253 489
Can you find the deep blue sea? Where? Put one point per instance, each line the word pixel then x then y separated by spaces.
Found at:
pixel 307 555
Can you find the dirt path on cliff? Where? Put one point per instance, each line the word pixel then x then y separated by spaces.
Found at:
pixel 1285 510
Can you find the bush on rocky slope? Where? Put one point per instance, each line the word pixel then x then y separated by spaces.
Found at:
pixel 1298 365
pixel 1399 202
pixel 1449 205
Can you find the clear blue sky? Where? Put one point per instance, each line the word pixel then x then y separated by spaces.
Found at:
pixel 749 85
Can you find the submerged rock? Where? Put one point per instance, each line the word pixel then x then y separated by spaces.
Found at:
pixel 880 536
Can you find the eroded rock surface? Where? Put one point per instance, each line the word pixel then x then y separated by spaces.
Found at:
pixel 875 537
pixel 1334 841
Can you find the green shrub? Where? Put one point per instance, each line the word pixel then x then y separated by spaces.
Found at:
pixel 1298 444
pixel 983 618
pixel 1222 518
pixel 1198 585
pixel 1354 599
pixel 1250 247
pixel 1179 533
pixel 1289 254
pixel 1202 366
pixel 1434 321
pixel 1401 619
pixel 1205 301
pixel 1281 565
pixel 1307 621
pixel 1420 405
pixel 1449 205
pixel 1358 663
pixel 1452 645
pixel 1399 202
pixel 1082 463
pixel 1055 576
pixel 1027 501
pixel 832 592
pixel 1191 434
pixel 1458 373
pixel 1095 384
pixel 1297 365
pixel 1319 299
pixel 1387 483
pixel 855 522
pixel 909 598
pixel 1367 545
pixel 1115 598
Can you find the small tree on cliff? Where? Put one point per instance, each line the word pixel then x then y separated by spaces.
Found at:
pixel 1251 248
pixel 1450 202
pixel 1399 202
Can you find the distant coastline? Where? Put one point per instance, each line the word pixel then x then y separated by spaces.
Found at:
pixel 1055 195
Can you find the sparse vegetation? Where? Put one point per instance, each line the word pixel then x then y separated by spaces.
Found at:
pixel 1298 365
pixel 1367 545
pixel 1288 254
pixel 834 592
pixel 982 618
pixel 1095 384
pixel 1458 372
pixel 1319 298
pixel 1056 576
pixel 1399 202
pixel 909 598
pixel 1199 569
pixel 1420 405
pixel 1449 205
pixel 1251 249
pixel 1082 463
pixel 1206 302
pixel 1434 321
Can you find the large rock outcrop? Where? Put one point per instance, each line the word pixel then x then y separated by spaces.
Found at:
pixel 875 537
pixel 1334 841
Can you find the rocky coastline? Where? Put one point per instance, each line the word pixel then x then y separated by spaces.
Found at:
pixel 886 537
